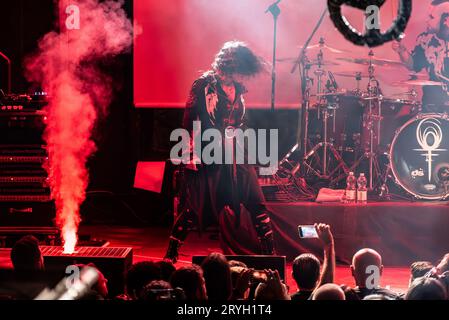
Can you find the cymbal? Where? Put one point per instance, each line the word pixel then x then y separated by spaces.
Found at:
pixel 418 83
pixel 418 76
pixel 330 94
pixel 375 61
pixel 407 93
pixel 313 62
pixel 325 47
pixel 351 74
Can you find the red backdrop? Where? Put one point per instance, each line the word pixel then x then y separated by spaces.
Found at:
pixel 177 39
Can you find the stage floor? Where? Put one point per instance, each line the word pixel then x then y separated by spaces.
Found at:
pixel 150 244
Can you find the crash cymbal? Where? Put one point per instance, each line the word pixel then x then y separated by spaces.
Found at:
pixel 419 83
pixel 313 62
pixel 351 74
pixel 325 47
pixel 375 61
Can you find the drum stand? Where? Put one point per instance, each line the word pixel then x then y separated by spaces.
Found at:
pixel 372 120
pixel 384 190
pixel 327 147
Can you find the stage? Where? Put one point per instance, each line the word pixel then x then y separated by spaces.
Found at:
pixel 403 232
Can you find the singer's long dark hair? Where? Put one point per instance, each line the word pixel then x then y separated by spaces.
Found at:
pixel 236 57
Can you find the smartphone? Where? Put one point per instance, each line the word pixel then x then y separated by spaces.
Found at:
pixel 307 232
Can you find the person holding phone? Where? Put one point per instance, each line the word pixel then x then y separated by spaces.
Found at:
pixel 272 288
pixel 307 271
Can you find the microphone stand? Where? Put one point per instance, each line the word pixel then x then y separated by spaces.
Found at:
pixel 275 11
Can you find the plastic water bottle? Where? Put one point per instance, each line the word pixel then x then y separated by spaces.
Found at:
pixel 362 193
pixel 351 188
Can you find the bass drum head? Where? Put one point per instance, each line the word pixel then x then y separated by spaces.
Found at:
pixel 419 156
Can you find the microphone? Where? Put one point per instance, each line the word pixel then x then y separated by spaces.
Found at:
pixel 271 7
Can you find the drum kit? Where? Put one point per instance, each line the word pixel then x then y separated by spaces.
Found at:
pixel 390 139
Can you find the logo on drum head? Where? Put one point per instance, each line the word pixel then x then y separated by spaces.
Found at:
pixel 429 136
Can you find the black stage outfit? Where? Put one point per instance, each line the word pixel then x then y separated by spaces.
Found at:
pixel 205 192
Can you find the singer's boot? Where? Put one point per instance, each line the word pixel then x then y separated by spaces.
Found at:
pixel 267 245
pixel 264 232
pixel 181 228
pixel 173 249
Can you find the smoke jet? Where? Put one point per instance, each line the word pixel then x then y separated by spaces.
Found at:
pixel 65 66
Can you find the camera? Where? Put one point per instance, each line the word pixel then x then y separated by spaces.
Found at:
pixel 259 276
pixel 176 294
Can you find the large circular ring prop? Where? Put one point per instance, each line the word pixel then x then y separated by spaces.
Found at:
pixel 373 37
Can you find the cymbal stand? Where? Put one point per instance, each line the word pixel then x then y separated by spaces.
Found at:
pixel 303 65
pixel 289 168
pixel 358 78
pixel 301 146
pixel 384 190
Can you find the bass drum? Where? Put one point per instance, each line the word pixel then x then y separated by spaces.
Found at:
pixel 419 156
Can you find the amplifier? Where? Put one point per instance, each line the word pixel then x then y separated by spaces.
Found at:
pixel 23 181
pixel 23 102
pixel 25 199
pixel 23 159
pixel 27 211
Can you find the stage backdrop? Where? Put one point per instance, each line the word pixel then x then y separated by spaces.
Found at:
pixel 176 40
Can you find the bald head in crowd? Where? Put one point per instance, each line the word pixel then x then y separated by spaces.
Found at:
pixel 364 263
pixel 329 291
